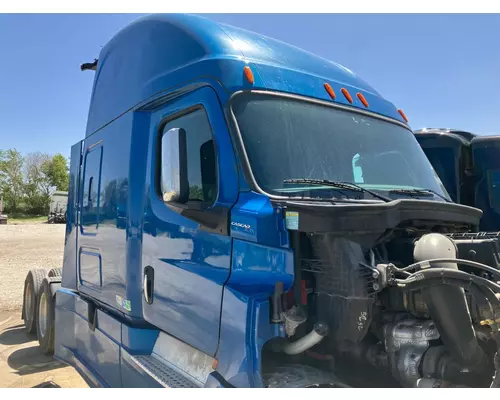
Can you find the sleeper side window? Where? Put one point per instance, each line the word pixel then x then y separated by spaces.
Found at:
pixel 200 155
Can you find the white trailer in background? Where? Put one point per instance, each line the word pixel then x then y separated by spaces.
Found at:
pixel 3 218
pixel 58 205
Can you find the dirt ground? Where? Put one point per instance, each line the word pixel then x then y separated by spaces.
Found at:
pixel 22 364
pixel 23 247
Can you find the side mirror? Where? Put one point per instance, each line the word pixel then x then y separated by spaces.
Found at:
pixel 174 180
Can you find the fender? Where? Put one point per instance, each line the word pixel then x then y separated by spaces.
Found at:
pixel 54 284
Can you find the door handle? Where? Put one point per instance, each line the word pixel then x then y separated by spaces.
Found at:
pixel 89 200
pixel 148 284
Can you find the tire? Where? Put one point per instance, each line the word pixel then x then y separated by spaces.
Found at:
pixel 55 273
pixel 32 285
pixel 46 318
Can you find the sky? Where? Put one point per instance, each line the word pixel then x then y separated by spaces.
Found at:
pixel 442 70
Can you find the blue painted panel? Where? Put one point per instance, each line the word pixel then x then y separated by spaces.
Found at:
pixel 89 375
pixel 235 354
pixel 69 278
pixel 130 212
pixel 189 274
pixel 257 268
pixel 116 241
pixel 65 309
pixel 110 326
pixel 94 354
pixel 300 83
pixel 90 267
pixel 191 265
pixel 245 328
pixel 157 52
pixel 245 321
pixel 138 340
pixel 265 50
pixel 98 350
pixel 254 219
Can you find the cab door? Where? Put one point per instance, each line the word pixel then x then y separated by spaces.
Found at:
pixel 186 244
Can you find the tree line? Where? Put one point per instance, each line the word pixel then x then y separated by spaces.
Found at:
pixel 27 182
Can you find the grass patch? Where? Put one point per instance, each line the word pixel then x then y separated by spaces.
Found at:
pixel 17 219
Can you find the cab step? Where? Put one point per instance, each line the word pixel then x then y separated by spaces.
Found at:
pixel 164 374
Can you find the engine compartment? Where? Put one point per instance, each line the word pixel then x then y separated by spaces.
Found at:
pixel 391 306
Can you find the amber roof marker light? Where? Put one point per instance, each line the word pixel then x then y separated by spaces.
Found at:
pixel 248 75
pixel 346 94
pixel 403 115
pixel 330 91
pixel 362 99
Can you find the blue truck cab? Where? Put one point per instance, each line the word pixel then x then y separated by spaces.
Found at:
pixel 233 213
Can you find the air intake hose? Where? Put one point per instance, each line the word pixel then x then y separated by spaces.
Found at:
pixel 319 331
pixel 447 304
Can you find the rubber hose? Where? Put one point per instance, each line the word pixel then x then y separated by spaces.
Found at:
pixel 474 264
pixel 450 273
pixel 319 331
pixel 449 310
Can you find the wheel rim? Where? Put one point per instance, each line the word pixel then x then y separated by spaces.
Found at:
pixel 42 315
pixel 28 309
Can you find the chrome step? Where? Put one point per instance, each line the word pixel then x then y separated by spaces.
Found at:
pixel 162 373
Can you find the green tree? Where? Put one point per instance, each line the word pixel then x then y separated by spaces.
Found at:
pixel 11 178
pixel 38 185
pixel 56 169
pixel 2 173
pixel 30 180
pixel 195 192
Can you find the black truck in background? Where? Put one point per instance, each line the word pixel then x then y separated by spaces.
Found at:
pixel 469 168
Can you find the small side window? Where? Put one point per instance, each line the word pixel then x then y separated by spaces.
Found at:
pixel 91 196
pixel 197 167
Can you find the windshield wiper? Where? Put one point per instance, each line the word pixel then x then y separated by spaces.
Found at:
pixel 419 192
pixel 340 185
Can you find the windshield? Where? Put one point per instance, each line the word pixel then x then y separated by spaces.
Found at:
pixel 288 138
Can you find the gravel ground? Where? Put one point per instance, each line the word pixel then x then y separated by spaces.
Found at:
pixel 23 247
pixel 23 365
